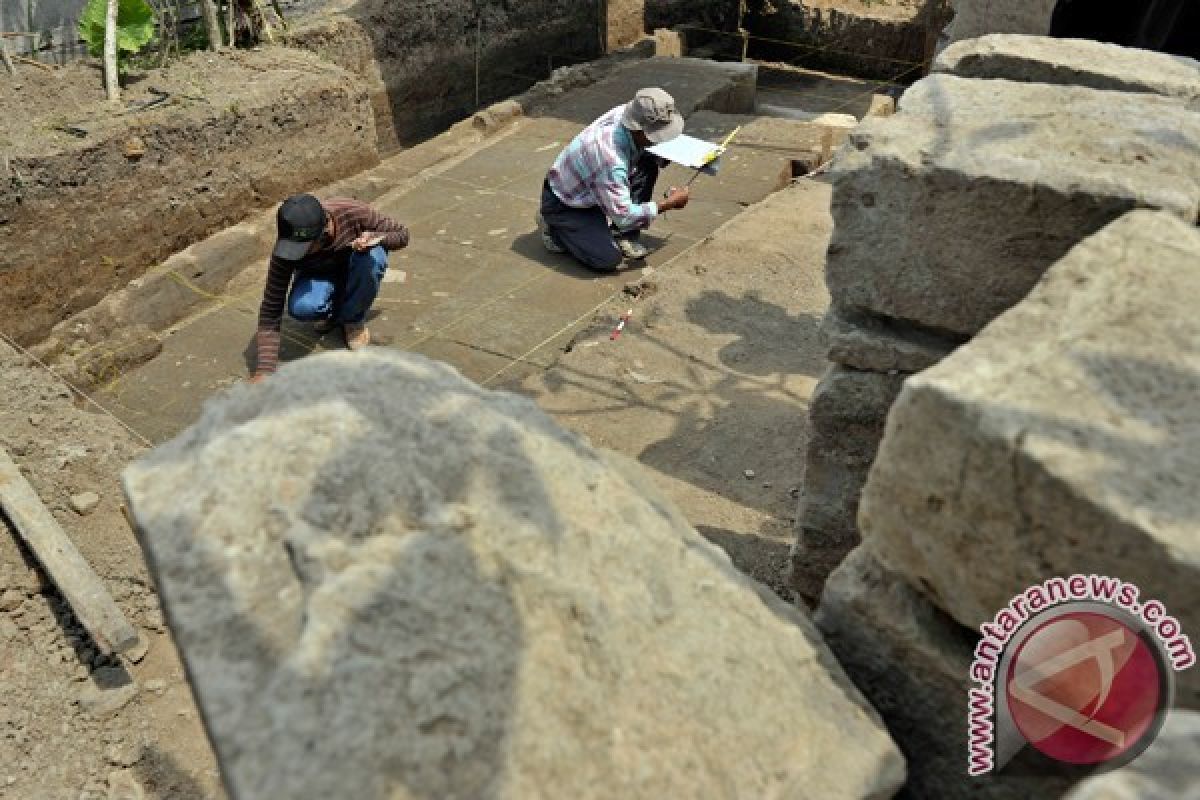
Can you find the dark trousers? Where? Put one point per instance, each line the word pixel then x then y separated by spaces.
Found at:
pixel 586 233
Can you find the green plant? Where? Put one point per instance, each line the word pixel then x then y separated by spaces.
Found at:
pixel 135 27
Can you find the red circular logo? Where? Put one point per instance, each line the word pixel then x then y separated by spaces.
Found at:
pixel 1085 688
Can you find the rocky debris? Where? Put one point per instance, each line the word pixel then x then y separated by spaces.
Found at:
pixel 1168 770
pixel 438 592
pixel 996 209
pixel 84 503
pixel 1073 62
pixel 846 416
pixel 913 664
pixel 50 745
pixel 974 18
pixel 1060 440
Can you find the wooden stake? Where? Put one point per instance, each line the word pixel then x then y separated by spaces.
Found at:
pixel 212 25
pixel 90 601
pixel 231 20
pixel 8 64
pixel 111 86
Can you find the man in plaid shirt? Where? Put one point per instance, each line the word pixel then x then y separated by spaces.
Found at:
pixel 598 195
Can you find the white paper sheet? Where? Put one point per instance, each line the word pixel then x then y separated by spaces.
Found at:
pixel 687 151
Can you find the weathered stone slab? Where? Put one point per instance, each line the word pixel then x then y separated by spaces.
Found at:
pixel 879 344
pixel 846 419
pixel 974 18
pixel 1064 438
pixel 1075 62
pixel 387 582
pixel 948 212
pixel 912 662
pixel 1168 770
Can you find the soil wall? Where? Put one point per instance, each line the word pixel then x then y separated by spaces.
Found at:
pixel 84 212
pixel 431 63
pixel 716 14
pixel 880 39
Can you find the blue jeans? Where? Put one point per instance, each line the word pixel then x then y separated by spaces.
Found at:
pixel 344 298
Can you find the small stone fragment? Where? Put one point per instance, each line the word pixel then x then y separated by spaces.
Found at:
pixel 85 503
pixel 123 754
pixel 101 702
pixel 11 600
pixel 749 474
pixel 139 650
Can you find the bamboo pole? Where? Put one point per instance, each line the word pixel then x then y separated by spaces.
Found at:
pixel 111 86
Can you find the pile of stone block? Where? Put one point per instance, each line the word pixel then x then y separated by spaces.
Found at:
pixel 1063 439
pixel 1013 268
pixel 947 213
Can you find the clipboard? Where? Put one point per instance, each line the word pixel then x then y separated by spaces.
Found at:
pixel 688 151
pixel 693 153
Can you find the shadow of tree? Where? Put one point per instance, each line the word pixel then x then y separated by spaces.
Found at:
pixel 763 328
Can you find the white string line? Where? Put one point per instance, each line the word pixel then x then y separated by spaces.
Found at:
pixel 75 389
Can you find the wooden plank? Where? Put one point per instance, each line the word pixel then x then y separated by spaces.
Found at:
pixel 81 587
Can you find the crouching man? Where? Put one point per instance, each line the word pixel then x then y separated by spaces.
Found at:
pixel 598 196
pixel 333 255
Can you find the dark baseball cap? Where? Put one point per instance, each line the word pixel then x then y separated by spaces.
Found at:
pixel 301 221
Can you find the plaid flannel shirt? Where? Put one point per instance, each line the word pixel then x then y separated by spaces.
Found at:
pixel 593 170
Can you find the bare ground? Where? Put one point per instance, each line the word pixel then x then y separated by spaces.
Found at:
pixel 708 386
pixel 74 724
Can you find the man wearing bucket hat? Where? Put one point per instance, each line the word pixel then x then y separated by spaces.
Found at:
pixel 329 259
pixel 598 195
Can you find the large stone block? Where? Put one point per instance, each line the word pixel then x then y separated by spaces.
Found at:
pixel 1064 438
pixel 846 419
pixel 1168 770
pixel 974 18
pixel 1073 62
pixel 387 582
pixel 947 213
pixel 880 344
pixel 912 662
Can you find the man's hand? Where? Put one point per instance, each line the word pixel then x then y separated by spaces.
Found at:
pixel 365 242
pixel 676 198
pixel 257 377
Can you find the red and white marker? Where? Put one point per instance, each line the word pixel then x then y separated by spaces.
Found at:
pixel 621 325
